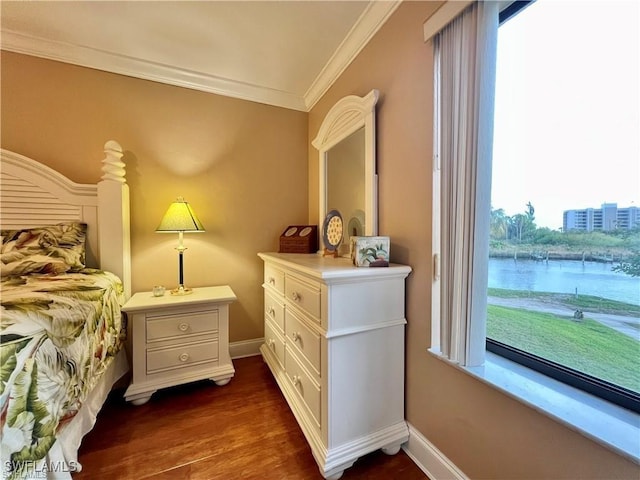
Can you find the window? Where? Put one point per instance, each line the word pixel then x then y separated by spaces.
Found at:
pixel 533 260
pixel 566 146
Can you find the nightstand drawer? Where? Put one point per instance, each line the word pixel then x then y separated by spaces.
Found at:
pixel 274 278
pixel 304 340
pixel 181 356
pixel 167 326
pixel 304 295
pixel 274 309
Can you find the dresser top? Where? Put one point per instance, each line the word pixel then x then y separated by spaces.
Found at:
pixel 328 268
pixel 145 300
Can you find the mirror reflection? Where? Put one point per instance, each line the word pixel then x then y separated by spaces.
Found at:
pixel 345 185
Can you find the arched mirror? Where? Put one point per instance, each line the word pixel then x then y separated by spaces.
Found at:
pixel 348 181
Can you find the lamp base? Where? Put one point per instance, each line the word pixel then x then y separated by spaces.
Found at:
pixel 181 290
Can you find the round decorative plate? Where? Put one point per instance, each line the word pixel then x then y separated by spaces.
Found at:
pixel 332 230
pixel 290 231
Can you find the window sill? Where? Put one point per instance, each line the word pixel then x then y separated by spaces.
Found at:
pixel 612 426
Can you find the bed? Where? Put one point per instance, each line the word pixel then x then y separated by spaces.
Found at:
pixel 66 272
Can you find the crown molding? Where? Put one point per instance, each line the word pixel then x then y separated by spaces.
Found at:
pixel 374 16
pixel 134 67
pixel 367 25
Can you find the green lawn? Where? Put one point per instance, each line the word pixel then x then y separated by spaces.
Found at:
pixel 583 302
pixel 587 345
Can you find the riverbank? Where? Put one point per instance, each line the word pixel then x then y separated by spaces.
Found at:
pixel 628 323
pixel 594 246
pixel 578 252
pixel 586 303
pixel 546 255
pixel 603 345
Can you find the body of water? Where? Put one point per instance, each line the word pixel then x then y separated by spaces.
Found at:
pixel 564 276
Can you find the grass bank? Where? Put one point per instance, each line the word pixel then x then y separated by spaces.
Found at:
pixel 587 345
pixel 587 303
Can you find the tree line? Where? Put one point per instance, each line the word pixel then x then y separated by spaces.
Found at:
pixel 521 229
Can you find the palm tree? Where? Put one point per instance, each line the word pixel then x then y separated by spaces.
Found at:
pixel 519 221
pixel 499 226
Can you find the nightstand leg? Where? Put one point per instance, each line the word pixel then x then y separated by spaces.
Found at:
pixel 221 382
pixel 224 372
pixel 140 398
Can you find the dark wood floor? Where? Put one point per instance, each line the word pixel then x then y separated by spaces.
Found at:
pixel 200 431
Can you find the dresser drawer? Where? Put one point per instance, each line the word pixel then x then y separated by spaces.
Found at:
pixel 304 295
pixel 274 309
pixel 178 325
pixel 308 390
pixel 274 278
pixel 306 341
pixel 181 356
pixel 274 342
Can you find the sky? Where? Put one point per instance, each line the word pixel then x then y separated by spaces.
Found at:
pixel 567 124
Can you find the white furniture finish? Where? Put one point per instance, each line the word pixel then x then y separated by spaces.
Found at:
pixel 334 341
pixel 33 194
pixel 178 339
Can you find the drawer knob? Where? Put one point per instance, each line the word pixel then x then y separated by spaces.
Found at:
pixel 183 327
pixel 296 380
pixel 295 336
pixel 271 311
pixel 272 280
pixel 296 296
pixel 272 343
pixel 183 357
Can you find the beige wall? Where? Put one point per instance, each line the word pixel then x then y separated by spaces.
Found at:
pixel 241 165
pixel 485 433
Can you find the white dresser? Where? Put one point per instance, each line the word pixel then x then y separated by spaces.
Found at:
pixel 334 340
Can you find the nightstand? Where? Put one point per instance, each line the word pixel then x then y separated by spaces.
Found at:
pixel 177 339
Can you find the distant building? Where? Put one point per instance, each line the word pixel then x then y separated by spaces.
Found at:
pixel 608 217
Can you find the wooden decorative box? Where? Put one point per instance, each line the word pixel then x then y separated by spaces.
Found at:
pixel 299 239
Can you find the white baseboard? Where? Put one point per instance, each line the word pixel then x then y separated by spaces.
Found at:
pixel 245 348
pixel 430 460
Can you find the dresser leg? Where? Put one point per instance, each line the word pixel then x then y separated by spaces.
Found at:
pixel 336 472
pixel 335 476
pixel 391 449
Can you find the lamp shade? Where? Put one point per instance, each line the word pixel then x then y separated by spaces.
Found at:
pixel 180 217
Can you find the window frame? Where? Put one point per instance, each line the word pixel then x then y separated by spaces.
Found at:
pixel 610 392
pixel 595 386
pixel 611 426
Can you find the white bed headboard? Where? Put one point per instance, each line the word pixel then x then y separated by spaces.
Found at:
pixel 33 194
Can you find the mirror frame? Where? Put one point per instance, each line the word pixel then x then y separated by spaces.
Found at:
pixel 346 117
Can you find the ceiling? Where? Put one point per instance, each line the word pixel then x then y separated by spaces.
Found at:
pixel 283 53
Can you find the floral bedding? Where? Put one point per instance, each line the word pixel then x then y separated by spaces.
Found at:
pixel 58 333
pixel 49 249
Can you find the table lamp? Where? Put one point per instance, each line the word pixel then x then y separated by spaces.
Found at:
pixel 180 218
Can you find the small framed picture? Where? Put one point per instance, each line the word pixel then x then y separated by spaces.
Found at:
pixel 370 251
